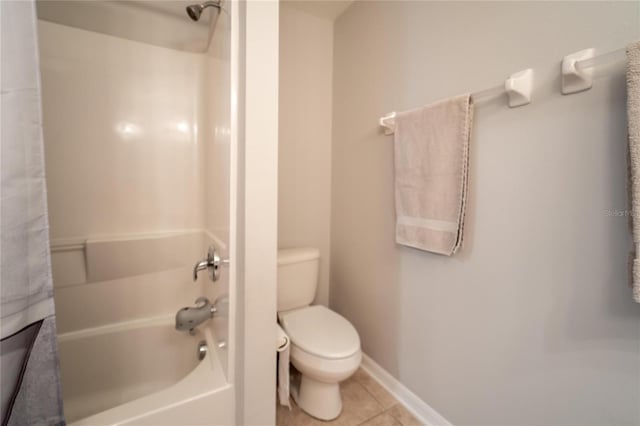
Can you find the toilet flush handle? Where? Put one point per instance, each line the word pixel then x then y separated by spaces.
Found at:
pixel 212 263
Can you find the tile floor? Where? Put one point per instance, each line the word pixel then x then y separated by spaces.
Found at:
pixel 364 402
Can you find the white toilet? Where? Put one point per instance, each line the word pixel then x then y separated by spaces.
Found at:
pixel 325 347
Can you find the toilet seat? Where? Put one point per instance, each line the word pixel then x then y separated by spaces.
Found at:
pixel 320 332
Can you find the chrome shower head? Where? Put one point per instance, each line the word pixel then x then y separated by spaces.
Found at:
pixel 195 10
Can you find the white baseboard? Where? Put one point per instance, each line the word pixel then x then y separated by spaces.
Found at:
pixel 420 409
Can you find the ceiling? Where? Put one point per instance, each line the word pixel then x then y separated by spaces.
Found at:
pixel 327 9
pixel 159 22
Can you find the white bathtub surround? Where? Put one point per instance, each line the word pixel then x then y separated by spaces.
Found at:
pixel 93 259
pixel 284 352
pixel 431 156
pixel 140 265
pixel 140 189
pixel 633 119
pixel 30 382
pixel 135 161
pixel 118 375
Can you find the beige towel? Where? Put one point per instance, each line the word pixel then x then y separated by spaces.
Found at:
pixel 633 118
pixel 431 166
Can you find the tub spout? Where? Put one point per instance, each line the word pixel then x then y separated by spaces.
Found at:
pixel 187 319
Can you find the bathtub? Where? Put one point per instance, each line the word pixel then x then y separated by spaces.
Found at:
pixel 143 372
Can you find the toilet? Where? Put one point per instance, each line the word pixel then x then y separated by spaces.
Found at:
pixel 325 347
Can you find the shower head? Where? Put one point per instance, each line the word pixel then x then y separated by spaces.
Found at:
pixel 195 10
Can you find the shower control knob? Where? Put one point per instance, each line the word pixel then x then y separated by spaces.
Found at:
pixel 212 263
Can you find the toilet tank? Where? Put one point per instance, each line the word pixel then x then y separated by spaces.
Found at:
pixel 297 277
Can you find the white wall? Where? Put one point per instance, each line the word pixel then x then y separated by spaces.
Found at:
pixel 533 321
pixel 304 152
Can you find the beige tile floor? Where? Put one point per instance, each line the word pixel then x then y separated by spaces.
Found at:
pixel 364 402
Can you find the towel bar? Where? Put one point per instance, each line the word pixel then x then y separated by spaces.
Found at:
pixel 576 77
pixel 518 88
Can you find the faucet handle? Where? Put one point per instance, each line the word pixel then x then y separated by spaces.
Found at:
pixel 212 263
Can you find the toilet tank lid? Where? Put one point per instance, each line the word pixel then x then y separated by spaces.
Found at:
pixel 295 255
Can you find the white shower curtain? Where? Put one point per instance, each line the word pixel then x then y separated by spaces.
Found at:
pixel 30 393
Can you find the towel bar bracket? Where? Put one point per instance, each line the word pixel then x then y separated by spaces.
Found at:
pixel 519 87
pixel 388 123
pixel 575 78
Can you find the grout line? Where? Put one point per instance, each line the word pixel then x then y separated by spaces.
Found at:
pixel 371 394
pixel 374 398
pixel 394 417
pixel 384 410
pixel 371 418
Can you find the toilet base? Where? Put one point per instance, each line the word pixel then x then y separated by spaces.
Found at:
pixel 318 399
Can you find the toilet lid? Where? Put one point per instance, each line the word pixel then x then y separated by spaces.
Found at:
pixel 321 332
